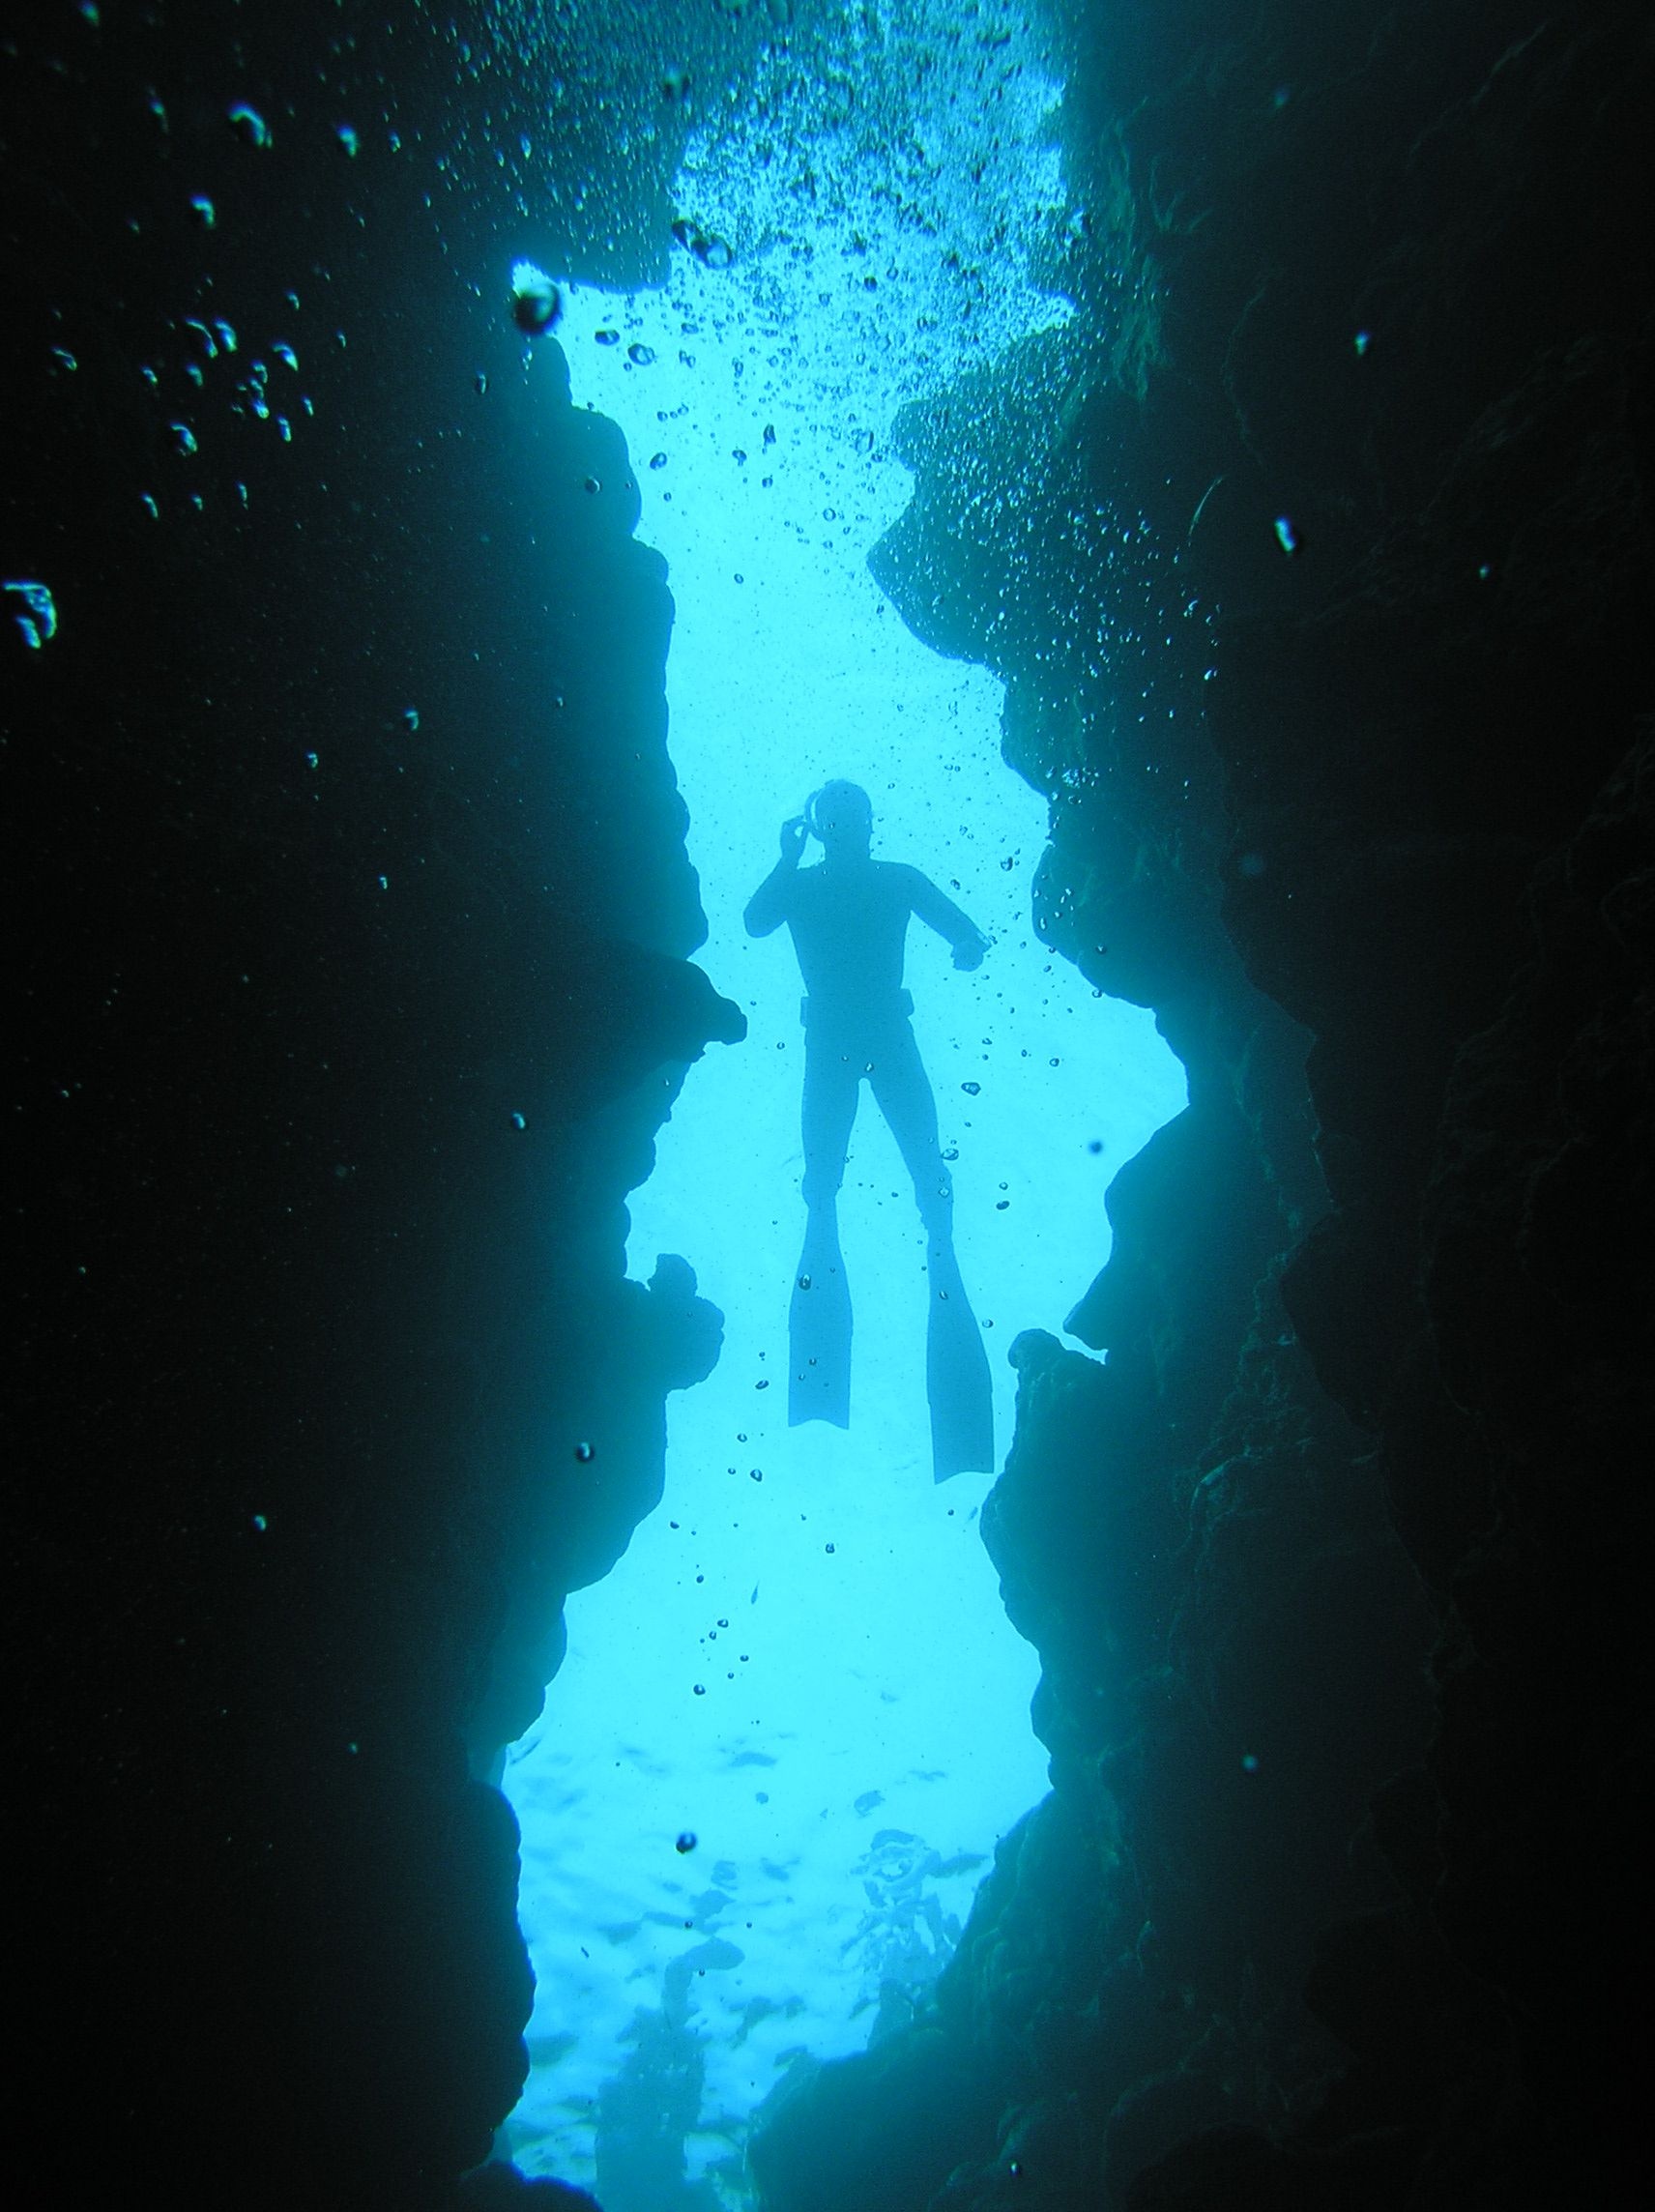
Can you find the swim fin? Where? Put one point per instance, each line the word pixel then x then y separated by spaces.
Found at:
pixel 819 1330
pixel 957 1381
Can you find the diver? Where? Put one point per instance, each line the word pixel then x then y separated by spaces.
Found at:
pixel 849 920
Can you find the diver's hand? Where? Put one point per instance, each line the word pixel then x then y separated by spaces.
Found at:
pixel 970 954
pixel 795 836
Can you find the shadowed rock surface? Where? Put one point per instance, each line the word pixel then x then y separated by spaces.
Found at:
pixel 333 1382
pixel 1326 1567
pixel 356 989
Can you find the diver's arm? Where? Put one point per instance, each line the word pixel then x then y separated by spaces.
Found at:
pixel 948 920
pixel 766 908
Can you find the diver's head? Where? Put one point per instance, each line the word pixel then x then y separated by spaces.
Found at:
pixel 841 814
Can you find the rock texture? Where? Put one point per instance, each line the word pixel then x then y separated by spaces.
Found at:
pixel 1315 556
pixel 356 987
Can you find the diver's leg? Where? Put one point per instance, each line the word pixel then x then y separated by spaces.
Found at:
pixel 818 1311
pixel 957 1381
pixel 902 1087
pixel 832 1081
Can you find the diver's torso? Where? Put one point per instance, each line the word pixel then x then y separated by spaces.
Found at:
pixel 850 926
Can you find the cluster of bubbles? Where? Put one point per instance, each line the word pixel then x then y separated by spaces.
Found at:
pixel 206 341
pixel 707 246
pixel 906 168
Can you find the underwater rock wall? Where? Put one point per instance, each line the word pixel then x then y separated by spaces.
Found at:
pixel 356 989
pixel 1316 558
pixel 344 810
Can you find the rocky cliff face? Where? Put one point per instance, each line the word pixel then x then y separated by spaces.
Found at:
pixel 1315 558
pixel 356 990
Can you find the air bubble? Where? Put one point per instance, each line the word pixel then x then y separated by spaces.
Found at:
pixel 641 356
pixel 535 302
pixel 40 624
pixel 248 124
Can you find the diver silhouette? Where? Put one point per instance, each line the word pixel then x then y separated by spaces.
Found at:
pixel 849 920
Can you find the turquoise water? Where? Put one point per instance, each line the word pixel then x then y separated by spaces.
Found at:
pixel 802 1662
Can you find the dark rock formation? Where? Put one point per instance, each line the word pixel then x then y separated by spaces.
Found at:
pixel 1315 556
pixel 357 988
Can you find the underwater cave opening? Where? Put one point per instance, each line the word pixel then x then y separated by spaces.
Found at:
pixel 794 1720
